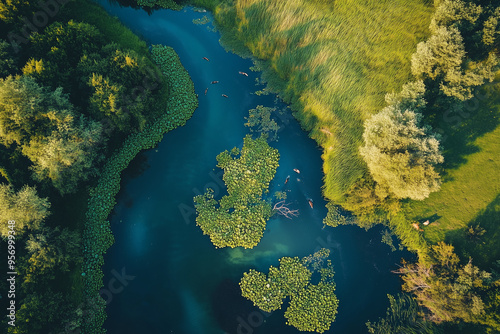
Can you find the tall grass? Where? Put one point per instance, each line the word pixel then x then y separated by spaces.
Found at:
pixel 333 62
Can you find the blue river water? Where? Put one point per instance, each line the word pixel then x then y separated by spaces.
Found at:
pixel 176 281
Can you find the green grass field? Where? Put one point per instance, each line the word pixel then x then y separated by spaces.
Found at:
pixel 333 61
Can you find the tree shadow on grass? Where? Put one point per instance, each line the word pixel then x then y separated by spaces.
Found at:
pixel 483 249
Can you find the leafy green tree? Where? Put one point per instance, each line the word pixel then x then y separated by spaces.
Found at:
pixel 313 309
pixel 402 317
pixel 444 50
pixel 20 100
pixel 450 12
pixel 43 311
pixel 12 10
pixel 399 151
pixel 259 120
pixel 239 218
pixel 67 156
pixel 491 30
pixel 7 60
pixel 24 207
pixel 444 56
pixel 449 291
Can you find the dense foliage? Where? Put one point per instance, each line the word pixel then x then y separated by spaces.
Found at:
pixel 70 92
pixel 451 291
pixel 259 120
pixel 239 218
pixel 43 125
pixel 402 318
pixel 312 306
pixel 332 61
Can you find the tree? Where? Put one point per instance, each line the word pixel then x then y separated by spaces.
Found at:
pixel 443 56
pixel 259 120
pixel 7 61
pixel 400 153
pixel 48 250
pixel 44 311
pixel 447 290
pixel 24 207
pixel 66 157
pixel 62 147
pixel 491 30
pixel 239 218
pixel 444 50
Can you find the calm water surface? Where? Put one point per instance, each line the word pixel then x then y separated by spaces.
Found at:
pixel 182 284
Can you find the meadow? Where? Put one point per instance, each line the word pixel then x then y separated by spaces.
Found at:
pixel 332 61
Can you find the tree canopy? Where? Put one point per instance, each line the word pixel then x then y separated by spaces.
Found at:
pixel 25 207
pixel 312 306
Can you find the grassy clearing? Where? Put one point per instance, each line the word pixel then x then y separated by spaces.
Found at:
pixel 472 183
pixel 334 62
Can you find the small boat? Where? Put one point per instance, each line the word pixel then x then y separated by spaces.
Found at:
pixel 243 73
pixel 225 95
pixel 310 202
pixel 206 90
pixel 296 170
pixel 206 58
pixel 214 82
pixel 287 178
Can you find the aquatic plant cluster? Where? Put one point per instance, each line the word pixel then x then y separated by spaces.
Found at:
pixel 97 234
pixel 241 217
pixel 312 307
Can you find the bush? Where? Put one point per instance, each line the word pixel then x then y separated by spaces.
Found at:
pixel 97 235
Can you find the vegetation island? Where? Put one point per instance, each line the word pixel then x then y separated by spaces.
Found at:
pixel 403 97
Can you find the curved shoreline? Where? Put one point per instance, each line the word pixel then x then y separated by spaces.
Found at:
pixel 97 235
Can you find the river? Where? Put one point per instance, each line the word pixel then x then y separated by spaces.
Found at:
pixel 176 281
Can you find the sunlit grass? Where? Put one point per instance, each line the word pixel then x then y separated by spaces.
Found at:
pixel 333 62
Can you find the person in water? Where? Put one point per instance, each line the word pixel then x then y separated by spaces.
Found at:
pixel 287 178
pixel 296 170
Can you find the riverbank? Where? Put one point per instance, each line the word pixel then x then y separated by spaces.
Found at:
pixel 97 235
